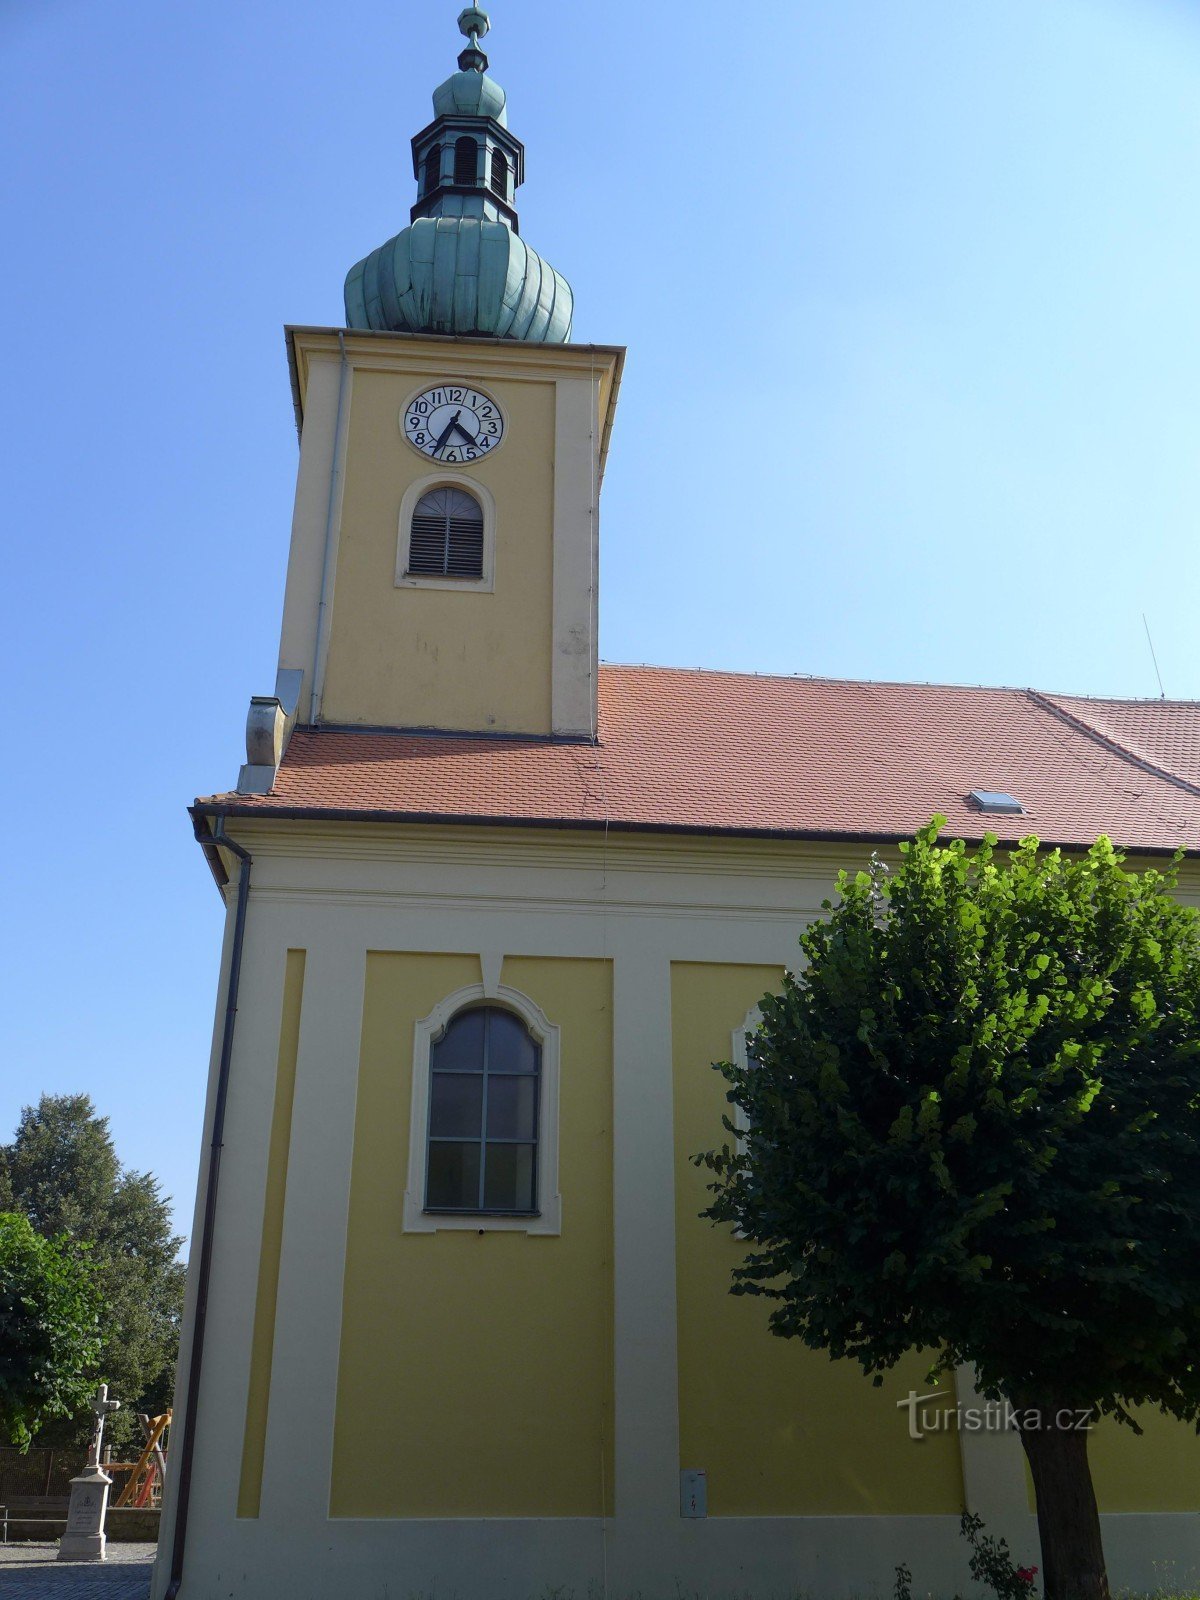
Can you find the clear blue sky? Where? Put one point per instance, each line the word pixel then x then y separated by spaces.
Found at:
pixel 912 300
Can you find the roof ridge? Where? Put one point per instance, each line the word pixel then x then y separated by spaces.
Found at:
pixel 1090 731
pixel 892 683
pixel 1120 700
pixel 811 677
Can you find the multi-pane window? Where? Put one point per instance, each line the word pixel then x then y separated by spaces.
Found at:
pixel 446 537
pixel 466 161
pixel 484 1083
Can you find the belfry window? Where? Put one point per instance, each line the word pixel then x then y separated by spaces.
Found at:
pixel 484 1089
pixel 500 174
pixel 446 538
pixel 433 169
pixel 466 161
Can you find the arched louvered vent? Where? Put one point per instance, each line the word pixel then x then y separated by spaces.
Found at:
pixel 433 169
pixel 446 540
pixel 500 174
pixel 466 161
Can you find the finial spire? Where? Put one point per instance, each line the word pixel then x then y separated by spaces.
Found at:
pixel 461 267
pixel 473 23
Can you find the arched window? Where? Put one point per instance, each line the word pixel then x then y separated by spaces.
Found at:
pixel 500 173
pixel 466 161
pixel 484 1078
pixel 433 169
pixel 446 538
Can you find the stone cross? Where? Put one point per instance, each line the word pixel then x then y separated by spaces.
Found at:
pixel 101 1406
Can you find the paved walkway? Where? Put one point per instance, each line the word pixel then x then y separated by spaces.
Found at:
pixel 32 1572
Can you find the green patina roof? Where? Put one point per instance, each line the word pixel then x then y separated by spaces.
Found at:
pixel 460 275
pixel 470 94
pixel 461 266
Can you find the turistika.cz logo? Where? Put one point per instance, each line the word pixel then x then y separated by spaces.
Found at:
pixel 934 1413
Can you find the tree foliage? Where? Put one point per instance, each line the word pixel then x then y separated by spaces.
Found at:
pixel 49 1328
pixel 973 1128
pixel 65 1176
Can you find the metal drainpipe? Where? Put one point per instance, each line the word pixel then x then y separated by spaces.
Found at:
pixel 187 1444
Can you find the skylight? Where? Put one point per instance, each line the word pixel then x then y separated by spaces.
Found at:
pixel 995 800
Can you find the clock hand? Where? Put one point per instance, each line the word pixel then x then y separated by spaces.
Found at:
pixel 448 430
pixel 469 437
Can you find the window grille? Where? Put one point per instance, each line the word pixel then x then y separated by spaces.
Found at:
pixel 466 161
pixel 484 1085
pixel 433 169
pixel 446 539
pixel 500 174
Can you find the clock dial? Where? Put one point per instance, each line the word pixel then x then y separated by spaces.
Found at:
pixel 453 423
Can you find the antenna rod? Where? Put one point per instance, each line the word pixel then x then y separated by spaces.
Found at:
pixel 1162 692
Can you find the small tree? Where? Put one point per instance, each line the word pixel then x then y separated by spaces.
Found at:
pixel 972 1130
pixel 64 1175
pixel 49 1339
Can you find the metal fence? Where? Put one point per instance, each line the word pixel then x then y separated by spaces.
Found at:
pixel 37 1473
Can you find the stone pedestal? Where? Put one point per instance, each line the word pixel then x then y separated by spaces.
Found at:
pixel 84 1538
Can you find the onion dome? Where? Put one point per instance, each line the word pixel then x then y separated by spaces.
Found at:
pixel 461 267
pixel 471 94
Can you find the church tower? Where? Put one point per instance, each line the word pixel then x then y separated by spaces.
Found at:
pixel 443 567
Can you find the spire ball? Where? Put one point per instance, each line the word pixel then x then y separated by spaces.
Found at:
pixel 473 23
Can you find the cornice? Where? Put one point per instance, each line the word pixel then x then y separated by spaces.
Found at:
pixel 539 852
pixel 550 849
pixel 382 351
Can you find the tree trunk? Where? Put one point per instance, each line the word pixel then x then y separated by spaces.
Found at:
pixel 1068 1522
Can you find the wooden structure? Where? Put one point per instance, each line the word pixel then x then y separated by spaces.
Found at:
pixel 144 1485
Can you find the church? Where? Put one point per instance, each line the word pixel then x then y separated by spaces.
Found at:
pixel 454 1324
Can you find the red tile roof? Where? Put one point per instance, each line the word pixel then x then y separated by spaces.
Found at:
pixel 723 752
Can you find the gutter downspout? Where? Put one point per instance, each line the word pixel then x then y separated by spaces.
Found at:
pixel 187 1444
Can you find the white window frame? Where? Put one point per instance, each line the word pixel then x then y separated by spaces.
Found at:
pixel 740 1056
pixel 548 1218
pixel 486 582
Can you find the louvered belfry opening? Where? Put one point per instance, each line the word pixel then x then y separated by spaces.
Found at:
pixel 466 161
pixel 500 174
pixel 447 536
pixel 433 169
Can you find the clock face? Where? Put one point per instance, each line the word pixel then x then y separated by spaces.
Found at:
pixel 453 423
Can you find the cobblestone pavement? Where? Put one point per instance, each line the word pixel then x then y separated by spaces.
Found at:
pixel 32 1572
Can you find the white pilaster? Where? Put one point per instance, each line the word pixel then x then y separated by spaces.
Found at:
pixel 316 519
pixel 576 574
pixel 645 1357
pixel 237 1235
pixel 993 1462
pixel 308 1317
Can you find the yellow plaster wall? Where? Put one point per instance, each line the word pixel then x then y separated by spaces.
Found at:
pixel 1158 1470
pixel 475 1370
pixel 415 657
pixel 263 1339
pixel 781 1430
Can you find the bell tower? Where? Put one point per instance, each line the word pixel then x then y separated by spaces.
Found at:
pixel 443 565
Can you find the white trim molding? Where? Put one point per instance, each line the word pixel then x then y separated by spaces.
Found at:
pixel 425 1035
pixel 486 582
pixel 740 1056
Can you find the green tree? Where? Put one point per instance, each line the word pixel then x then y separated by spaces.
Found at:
pixel 66 1178
pixel 972 1130
pixel 49 1339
